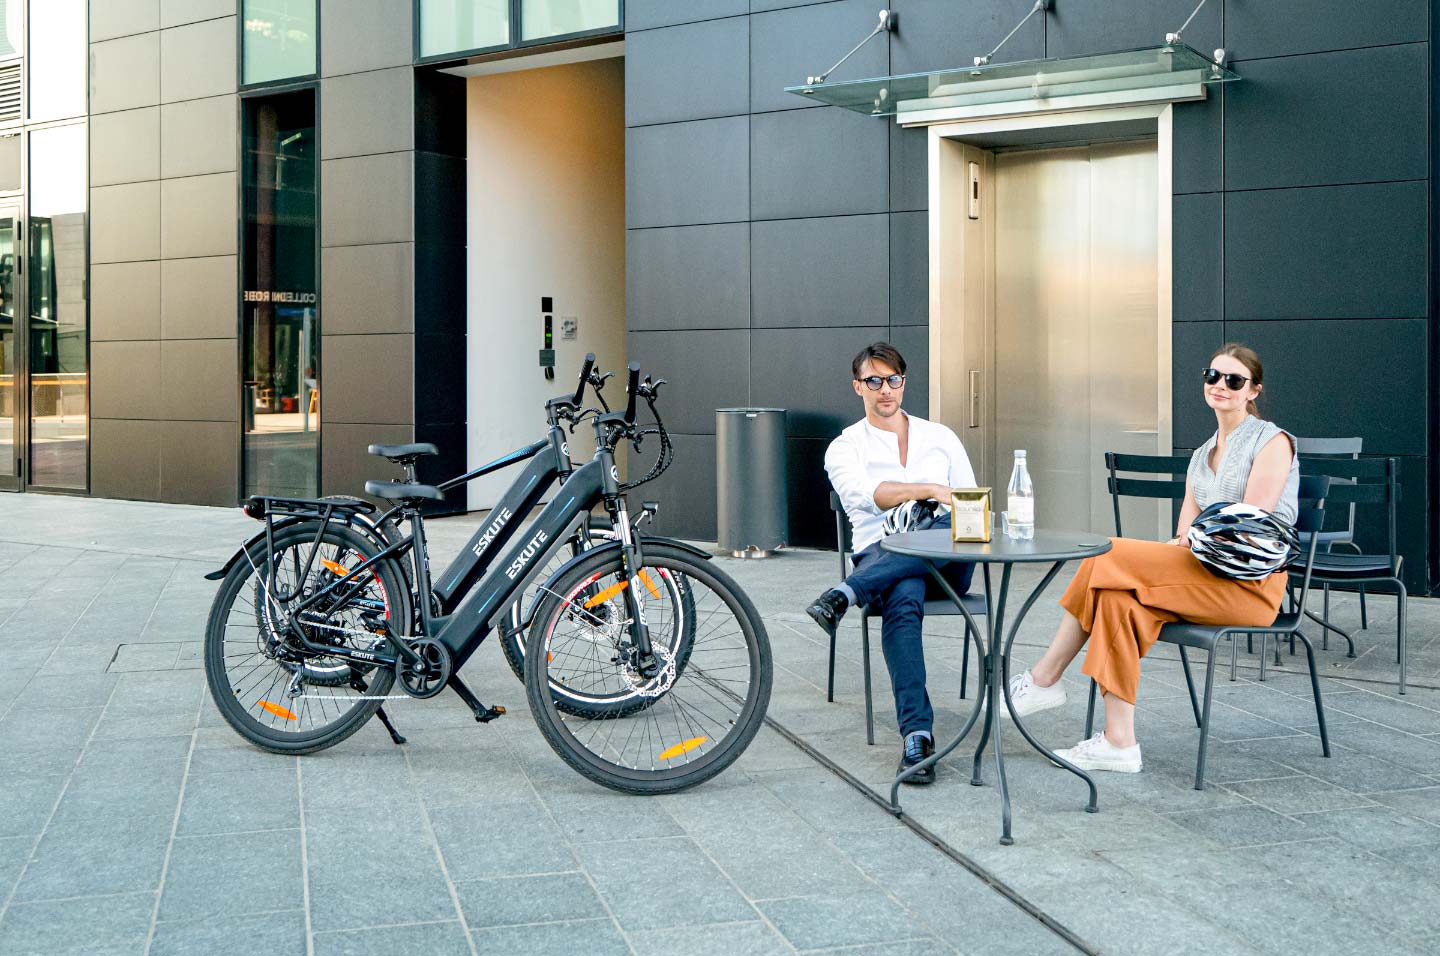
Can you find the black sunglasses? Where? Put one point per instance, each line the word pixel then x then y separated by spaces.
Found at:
pixel 1233 381
pixel 873 382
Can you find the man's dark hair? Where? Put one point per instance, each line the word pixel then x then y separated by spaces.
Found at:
pixel 881 352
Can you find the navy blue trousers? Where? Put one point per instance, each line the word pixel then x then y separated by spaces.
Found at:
pixel 899 586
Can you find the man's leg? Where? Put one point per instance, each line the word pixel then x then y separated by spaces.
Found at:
pixel 902 611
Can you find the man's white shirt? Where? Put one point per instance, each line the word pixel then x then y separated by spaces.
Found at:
pixel 864 457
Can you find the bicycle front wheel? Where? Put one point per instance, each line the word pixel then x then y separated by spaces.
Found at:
pixel 706 705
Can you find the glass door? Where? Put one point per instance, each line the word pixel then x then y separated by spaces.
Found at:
pixel 12 332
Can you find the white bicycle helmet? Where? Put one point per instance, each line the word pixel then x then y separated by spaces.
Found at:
pixel 1242 542
pixel 910 516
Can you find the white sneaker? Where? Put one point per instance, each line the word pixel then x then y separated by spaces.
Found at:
pixel 1098 753
pixel 1030 698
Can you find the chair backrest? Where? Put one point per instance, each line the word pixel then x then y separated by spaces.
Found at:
pixel 1310 518
pixel 842 533
pixel 1171 488
pixel 1333 448
pixel 1363 481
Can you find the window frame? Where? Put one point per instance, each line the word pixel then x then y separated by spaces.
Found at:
pixel 242 87
pixel 516 31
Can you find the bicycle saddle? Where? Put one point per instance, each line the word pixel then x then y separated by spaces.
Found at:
pixel 403 454
pixel 403 490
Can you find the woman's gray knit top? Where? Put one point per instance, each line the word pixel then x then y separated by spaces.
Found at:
pixel 1227 482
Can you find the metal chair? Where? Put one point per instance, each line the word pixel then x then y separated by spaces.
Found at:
pixel 1329 449
pixel 1371 481
pixel 975 603
pixel 1313 490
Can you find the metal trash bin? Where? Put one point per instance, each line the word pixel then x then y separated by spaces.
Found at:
pixel 752 496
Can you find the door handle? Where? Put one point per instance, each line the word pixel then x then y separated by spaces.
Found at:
pixel 974 398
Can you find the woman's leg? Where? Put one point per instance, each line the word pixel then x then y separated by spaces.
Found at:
pixel 1119 721
pixel 1068 640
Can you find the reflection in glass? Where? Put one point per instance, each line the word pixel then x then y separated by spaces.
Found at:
pixel 553 18
pixel 10 11
pixel 281 331
pixel 9 406
pixel 59 380
pixel 279 39
pixel 10 162
pixel 57 59
pixel 447 26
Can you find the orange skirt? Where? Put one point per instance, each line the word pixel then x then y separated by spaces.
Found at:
pixel 1122 598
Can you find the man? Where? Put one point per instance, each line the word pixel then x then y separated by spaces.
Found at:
pixel 882 462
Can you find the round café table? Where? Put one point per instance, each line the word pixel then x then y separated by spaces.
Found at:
pixel 935 548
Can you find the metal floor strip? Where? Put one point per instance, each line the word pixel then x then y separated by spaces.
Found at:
pixel 979 871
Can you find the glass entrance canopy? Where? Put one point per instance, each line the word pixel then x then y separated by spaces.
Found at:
pixel 997 83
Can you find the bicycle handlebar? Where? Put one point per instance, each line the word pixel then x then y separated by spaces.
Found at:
pixel 584 378
pixel 632 391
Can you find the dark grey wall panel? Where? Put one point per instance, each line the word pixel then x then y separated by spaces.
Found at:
pixel 1256 28
pixel 125 379
pixel 688 173
pixel 125 73
pixel 118 18
pixel 913 341
pixel 370 112
pixel 175 12
pixel 1326 252
pixel 440 288
pixel 710 370
pixel 367 199
pixel 345 465
pixel 197 60
pixel 909 168
pixel 125 222
pixel 440 359
pixel 1357 116
pixel 1076 29
pixel 821 272
pixel 369 379
pixel 1196 131
pixel 198 463
pixel 367 288
pixel 1191 346
pixel 199 379
pixel 808 372
pixel 125 147
pixel 197 216
pixel 1344 378
pixel 1197 268
pixel 358 35
pixel 198 297
pixel 787 46
pixel 686 491
pixel 688 277
pixel 821 162
pixel 125 459
pixel 198 136
pixel 646 14
pixel 439 189
pixel 812 523
pixel 910 268
pixel 695 71
pixel 122 301
pixel 939 35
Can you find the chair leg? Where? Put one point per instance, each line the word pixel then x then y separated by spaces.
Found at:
pixel 830 682
pixel 1324 632
pixel 1264 639
pixel 1364 623
pixel 865 667
pixel 1235 654
pixel 1190 681
pixel 1315 688
pixel 1205 720
pixel 965 661
pixel 1400 631
pixel 1090 711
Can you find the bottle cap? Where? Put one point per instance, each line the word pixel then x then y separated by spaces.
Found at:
pixel 1019 453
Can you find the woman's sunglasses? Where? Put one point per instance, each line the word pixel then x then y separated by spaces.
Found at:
pixel 873 382
pixel 1232 381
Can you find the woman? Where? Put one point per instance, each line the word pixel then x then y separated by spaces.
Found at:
pixel 1119 600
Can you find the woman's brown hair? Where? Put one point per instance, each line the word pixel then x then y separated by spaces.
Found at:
pixel 1245 356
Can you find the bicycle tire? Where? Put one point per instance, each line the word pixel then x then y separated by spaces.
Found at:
pixel 352 709
pixel 694 698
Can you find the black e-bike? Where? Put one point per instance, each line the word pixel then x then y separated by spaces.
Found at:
pixel 647 669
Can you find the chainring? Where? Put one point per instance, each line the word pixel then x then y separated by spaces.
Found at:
pixel 439 665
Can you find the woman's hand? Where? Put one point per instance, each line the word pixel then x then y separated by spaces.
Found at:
pixel 1179 541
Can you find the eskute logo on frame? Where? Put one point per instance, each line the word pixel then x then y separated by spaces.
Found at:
pixel 524 557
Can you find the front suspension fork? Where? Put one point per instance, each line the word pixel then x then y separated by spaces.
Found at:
pixel 632 560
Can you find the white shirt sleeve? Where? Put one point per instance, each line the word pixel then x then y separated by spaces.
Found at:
pixel 961 474
pixel 846 470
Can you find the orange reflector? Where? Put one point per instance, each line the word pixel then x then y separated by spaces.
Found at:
pixel 277 710
pixel 606 594
pixel 334 567
pixel 549 657
pixel 682 748
pixel 649 584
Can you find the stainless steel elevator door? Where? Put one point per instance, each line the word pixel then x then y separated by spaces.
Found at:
pixel 1077 362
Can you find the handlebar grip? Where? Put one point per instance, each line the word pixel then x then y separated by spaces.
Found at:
pixel 632 389
pixel 584 377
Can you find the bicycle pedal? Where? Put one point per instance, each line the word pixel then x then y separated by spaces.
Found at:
pixel 489 714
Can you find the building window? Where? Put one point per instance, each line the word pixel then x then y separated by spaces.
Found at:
pixel 10 30
pixel 280 302
pixel 279 40
pixel 59 375
pixel 540 19
pixel 57 58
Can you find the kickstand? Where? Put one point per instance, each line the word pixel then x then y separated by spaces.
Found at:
pixel 385 719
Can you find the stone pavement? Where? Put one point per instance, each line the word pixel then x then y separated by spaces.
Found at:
pixel 133 821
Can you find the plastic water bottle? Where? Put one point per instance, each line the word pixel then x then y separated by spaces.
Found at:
pixel 1020 500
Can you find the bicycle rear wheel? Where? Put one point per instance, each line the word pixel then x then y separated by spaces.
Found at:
pixel 267 685
pixel 702 711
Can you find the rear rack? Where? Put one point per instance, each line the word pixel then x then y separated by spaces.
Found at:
pixel 260 507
